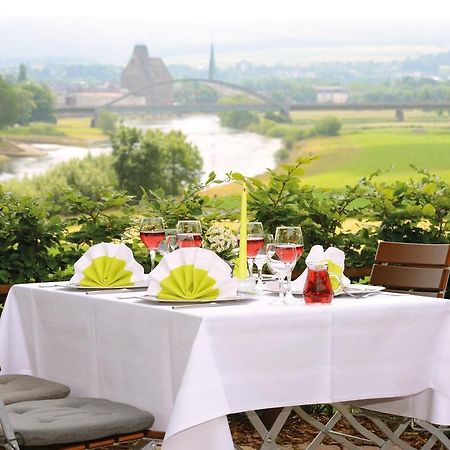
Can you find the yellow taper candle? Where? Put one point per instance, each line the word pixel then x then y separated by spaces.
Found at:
pixel 243 236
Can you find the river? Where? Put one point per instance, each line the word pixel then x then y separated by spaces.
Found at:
pixel 222 149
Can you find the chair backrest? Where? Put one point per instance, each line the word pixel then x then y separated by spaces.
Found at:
pixel 421 269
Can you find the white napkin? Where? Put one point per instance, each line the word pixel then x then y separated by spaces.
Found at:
pixel 192 274
pixel 336 265
pixel 108 264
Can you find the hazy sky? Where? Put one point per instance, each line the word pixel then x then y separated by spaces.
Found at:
pixel 233 9
pixel 105 31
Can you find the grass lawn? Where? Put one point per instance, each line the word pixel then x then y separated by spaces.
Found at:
pixel 347 158
pixel 68 130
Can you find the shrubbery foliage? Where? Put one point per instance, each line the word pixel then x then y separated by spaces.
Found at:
pixel 40 240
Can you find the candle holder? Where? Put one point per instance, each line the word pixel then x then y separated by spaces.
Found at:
pixel 246 286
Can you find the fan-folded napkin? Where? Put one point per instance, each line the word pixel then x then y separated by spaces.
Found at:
pixel 335 258
pixel 108 264
pixel 192 274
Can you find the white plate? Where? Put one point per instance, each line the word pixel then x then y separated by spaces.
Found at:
pixel 362 289
pixel 199 301
pixel 132 286
pixel 272 286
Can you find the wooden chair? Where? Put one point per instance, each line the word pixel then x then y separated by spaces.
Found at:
pixel 38 413
pixel 421 269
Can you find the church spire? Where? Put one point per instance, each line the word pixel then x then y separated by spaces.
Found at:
pixel 212 64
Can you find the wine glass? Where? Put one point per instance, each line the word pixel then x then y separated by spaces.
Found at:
pixel 281 259
pixel 290 235
pixel 255 242
pixel 152 234
pixel 170 243
pixel 189 233
pixel 260 260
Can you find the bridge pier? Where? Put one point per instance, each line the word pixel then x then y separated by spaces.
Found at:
pixel 399 115
pixel 94 120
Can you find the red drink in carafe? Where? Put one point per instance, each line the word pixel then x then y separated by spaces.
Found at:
pixel 317 287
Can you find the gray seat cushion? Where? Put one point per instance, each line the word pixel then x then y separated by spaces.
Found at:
pixel 47 422
pixel 23 388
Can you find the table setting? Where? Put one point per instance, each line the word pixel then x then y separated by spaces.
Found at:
pixel 200 337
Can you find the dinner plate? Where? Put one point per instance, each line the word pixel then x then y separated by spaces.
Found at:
pixel 272 286
pixel 355 289
pixel 196 301
pixel 362 289
pixel 98 288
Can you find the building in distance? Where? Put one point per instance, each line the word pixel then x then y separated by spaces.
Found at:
pixel 143 70
pixel 331 94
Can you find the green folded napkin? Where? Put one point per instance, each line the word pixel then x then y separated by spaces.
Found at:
pixel 187 282
pixel 335 271
pixel 106 271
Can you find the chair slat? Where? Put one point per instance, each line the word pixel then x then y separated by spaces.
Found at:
pixel 423 278
pixel 413 254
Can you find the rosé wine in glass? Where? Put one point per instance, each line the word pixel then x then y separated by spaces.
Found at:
pixel 152 239
pixel 185 240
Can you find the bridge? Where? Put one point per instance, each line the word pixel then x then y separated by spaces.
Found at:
pixel 257 102
pixel 254 101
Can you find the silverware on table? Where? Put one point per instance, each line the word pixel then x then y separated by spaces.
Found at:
pixel 51 285
pixel 115 290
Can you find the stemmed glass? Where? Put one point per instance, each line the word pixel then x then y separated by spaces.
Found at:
pixel 281 259
pixel 260 260
pixel 255 242
pixel 189 233
pixel 171 240
pixel 152 234
pixel 290 235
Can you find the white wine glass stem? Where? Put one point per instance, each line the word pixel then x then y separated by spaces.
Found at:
pixel 250 267
pixel 152 254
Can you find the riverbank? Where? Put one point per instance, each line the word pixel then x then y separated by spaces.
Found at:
pixel 72 131
pixel 10 148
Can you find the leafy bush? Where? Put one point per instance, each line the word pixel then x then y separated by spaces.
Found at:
pixel 41 241
pixel 328 126
pixel 88 175
pixel 277 117
pixel 30 240
pixel 107 121
pixel 240 120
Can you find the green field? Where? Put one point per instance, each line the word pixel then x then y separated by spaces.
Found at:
pixel 67 131
pixel 371 140
pixel 347 158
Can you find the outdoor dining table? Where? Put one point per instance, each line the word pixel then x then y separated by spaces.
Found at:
pixel 192 366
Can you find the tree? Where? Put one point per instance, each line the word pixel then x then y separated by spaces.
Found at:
pixel 25 104
pixel 44 107
pixel 22 75
pixel 8 104
pixel 183 163
pixel 154 160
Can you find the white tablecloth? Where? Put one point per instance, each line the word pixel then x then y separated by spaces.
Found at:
pixel 191 367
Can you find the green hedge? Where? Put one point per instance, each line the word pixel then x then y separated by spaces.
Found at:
pixel 40 239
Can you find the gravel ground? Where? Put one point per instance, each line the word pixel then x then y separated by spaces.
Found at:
pixel 296 435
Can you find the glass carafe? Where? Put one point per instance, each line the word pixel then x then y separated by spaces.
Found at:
pixel 317 287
